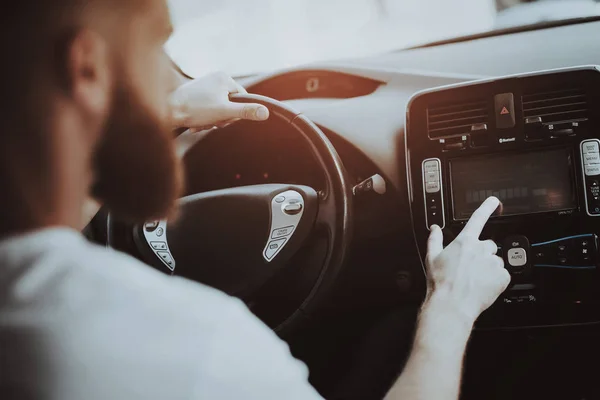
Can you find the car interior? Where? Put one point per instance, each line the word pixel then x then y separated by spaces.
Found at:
pixel 318 218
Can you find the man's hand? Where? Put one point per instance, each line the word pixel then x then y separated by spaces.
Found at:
pixel 467 274
pixel 464 279
pixel 204 103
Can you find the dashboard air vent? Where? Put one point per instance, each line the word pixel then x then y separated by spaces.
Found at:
pixel 554 107
pixel 457 118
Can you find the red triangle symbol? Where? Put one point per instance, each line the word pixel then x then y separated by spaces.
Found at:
pixel 504 111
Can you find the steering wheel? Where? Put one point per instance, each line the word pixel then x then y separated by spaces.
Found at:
pixel 240 240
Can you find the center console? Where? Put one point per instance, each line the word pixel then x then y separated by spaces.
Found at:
pixel 532 141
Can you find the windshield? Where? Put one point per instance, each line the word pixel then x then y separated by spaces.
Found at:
pixel 242 37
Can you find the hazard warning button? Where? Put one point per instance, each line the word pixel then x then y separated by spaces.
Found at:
pixel 505 110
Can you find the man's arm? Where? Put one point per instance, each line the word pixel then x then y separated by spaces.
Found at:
pixel 463 280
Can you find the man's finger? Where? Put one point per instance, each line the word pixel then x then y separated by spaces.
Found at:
pixel 235 87
pixel 435 243
pixel 252 112
pixel 480 217
pixel 489 247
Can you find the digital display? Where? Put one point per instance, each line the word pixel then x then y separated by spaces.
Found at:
pixel 525 183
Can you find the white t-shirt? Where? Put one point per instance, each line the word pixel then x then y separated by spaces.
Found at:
pixel 80 322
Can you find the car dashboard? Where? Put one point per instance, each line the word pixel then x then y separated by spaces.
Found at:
pixel 362 106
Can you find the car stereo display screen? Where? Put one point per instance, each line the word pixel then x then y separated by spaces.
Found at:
pixel 526 183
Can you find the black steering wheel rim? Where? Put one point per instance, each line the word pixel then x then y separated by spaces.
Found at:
pixel 334 214
pixel 338 216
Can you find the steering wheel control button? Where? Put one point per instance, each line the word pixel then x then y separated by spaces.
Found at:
pixel 274 247
pixel 292 208
pixel 517 257
pixel 167 259
pixel 505 110
pixel 159 245
pixel 156 238
pixel 287 209
pixel 151 226
pixel 281 232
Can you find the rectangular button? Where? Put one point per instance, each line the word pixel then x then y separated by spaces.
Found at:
pixel 431 166
pixel 592 170
pixel 590 147
pixel 517 257
pixel 281 232
pixel 504 105
pixel 432 187
pixel 434 176
pixel 591 158
pixel 166 257
pixel 159 245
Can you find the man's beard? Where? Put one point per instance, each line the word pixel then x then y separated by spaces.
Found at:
pixel 138 174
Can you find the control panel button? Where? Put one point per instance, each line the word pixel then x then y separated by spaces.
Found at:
pixel 458 143
pixel 159 245
pixel 504 105
pixel 433 176
pixel 279 199
pixel 591 158
pixel 292 208
pixel 432 187
pixel 151 226
pixel 431 166
pixel 592 170
pixel 590 147
pixel 273 247
pixel 433 193
pixel 569 252
pixel 281 232
pixel 590 163
pixel 160 232
pixel 166 257
pixel 517 257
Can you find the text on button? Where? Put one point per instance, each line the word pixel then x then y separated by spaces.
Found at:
pixel 281 232
pixel 590 147
pixel 432 187
pixel 592 170
pixel 591 158
pixel 517 257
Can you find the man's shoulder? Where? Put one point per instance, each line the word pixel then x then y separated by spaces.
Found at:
pixel 62 270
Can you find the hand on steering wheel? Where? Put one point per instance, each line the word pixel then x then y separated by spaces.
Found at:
pixel 240 239
pixel 204 102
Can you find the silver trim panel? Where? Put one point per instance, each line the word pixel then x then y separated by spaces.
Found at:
pixel 584 168
pixel 283 224
pixel 428 188
pixel 157 241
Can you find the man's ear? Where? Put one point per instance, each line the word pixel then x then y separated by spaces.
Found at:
pixel 89 70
